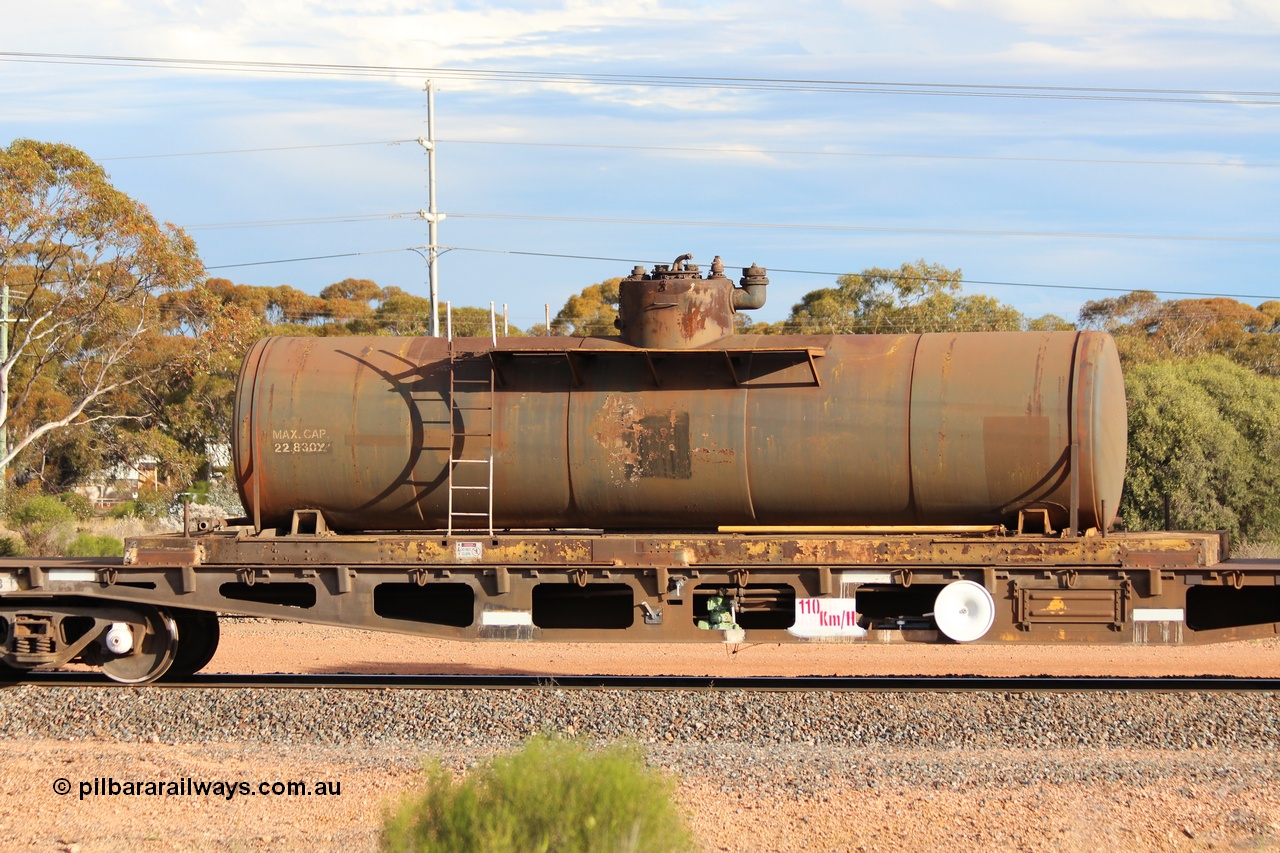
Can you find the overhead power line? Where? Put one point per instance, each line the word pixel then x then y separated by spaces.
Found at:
pixel 310 258
pixel 779 226
pixel 874 229
pixel 307 316
pixel 729 265
pixel 833 274
pixel 865 87
pixel 251 150
pixel 725 149
pixel 878 154
pixel 309 220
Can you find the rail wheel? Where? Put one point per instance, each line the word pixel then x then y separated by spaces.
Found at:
pixel 8 674
pixel 964 611
pixel 151 650
pixel 198 635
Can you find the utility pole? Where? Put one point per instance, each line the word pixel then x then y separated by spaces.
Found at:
pixel 4 356
pixel 432 216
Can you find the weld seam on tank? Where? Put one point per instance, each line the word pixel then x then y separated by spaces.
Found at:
pixel 1088 383
pixel 255 417
pixel 911 392
pixel 1073 439
pixel 746 446
pixel 568 433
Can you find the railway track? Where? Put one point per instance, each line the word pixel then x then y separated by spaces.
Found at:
pixel 887 684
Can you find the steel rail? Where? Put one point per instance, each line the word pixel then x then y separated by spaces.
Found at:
pixel 876 683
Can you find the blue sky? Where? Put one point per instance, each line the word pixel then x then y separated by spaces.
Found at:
pixel 1111 190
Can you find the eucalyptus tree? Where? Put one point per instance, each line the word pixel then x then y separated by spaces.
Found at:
pixel 85 268
pixel 916 297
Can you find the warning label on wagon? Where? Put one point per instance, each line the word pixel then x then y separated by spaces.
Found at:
pixel 468 550
pixel 827 617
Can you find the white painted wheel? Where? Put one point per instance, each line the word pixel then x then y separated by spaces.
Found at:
pixel 964 611
pixel 155 639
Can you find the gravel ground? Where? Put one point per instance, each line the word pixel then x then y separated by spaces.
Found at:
pixel 755 771
pixel 407 718
pixel 737 798
pixel 772 771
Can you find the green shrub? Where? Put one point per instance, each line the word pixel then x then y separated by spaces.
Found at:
pixel 224 497
pixel 149 504
pixel 10 547
pixel 199 492
pixel 1203 432
pixel 154 503
pixel 41 509
pixel 42 521
pixel 80 506
pixel 12 496
pixel 551 795
pixel 220 495
pixel 89 545
pixel 1256 549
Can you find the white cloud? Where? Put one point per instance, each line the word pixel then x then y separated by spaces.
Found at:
pixel 1220 44
pixel 1075 13
pixel 390 33
pixel 1026 36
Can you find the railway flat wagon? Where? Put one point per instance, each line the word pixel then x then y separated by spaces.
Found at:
pixel 675 483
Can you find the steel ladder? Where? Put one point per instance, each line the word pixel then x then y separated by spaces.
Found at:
pixel 470 444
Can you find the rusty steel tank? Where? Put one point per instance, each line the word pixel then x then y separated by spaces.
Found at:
pixel 680 424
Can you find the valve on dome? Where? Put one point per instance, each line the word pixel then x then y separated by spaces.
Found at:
pixel 673 307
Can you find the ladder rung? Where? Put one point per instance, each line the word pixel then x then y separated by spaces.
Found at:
pixel 457 381
pixel 470 488
pixel 472 434
pixel 470 461
pixel 473 408
pixel 472 514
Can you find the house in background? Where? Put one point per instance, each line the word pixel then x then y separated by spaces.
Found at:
pixel 123 482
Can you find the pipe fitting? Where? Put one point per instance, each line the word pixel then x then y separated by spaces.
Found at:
pixel 750 293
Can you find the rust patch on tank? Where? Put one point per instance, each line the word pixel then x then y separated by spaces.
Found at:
pixel 640 445
pixel 714 455
pixel 615 421
pixel 1035 405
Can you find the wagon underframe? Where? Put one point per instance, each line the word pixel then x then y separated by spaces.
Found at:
pixel 1143 588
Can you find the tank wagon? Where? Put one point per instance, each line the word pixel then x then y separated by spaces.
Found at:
pixel 676 482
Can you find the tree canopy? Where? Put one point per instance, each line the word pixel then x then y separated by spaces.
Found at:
pixel 1147 328
pixel 119 349
pixel 1201 376
pixel 916 297
pixel 85 268
pixel 591 312
pixel 1204 432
